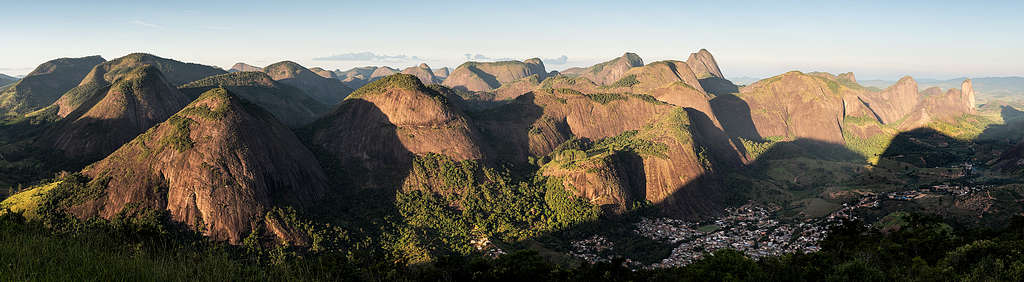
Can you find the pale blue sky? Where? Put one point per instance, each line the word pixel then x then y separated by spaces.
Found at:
pixel 876 40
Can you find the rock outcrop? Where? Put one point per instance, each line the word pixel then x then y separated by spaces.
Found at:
pixel 381 72
pixel 110 115
pixel 442 73
pixel 217 166
pixel 609 72
pixel 422 72
pixel 487 76
pixel 45 84
pixel 893 103
pixel 326 90
pixel 240 67
pixel 383 124
pixel 704 65
pixel 789 106
pixel 324 73
pixel 288 104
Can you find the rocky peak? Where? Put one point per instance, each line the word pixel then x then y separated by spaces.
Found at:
pixel 703 64
pixel 967 92
pixel 238 67
pixel 111 115
pixel 848 77
pixel 325 90
pixel 611 71
pixel 217 166
pixel 423 72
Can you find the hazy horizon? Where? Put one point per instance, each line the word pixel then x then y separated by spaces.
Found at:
pixel 875 40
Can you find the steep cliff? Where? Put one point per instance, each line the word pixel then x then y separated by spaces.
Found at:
pixel 217 166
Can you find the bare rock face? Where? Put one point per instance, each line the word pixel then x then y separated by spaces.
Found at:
pixel 382 72
pixel 893 103
pixel 217 166
pixel 383 124
pixel 704 65
pixel 326 90
pixel 967 95
pixel 113 114
pixel 288 104
pixel 658 74
pixel 324 73
pixel 848 76
pixel 442 73
pixel 611 71
pixel 945 107
pixel 791 105
pixel 512 90
pixel 487 76
pixel 422 72
pixel 240 67
pixel 45 84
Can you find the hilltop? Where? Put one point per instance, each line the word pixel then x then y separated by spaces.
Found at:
pixel 325 90
pixel 100 118
pixel 219 166
pixel 288 104
pixel 486 76
pixel 45 84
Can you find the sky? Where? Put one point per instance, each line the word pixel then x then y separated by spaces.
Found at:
pixel 873 39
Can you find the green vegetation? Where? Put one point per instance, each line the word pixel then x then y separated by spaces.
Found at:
pixel 179 139
pixel 605 98
pixel 576 152
pixel 755 149
pixel 394 82
pixel 965 127
pixel 625 81
pixel 832 84
pixel 474 202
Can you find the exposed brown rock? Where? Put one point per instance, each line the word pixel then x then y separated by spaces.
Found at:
pixel 383 124
pixel 216 166
pixel 487 76
pixel 111 115
pixel 791 105
pixel 326 90
pixel 893 103
pixel 324 73
pixel 611 71
pixel 239 67
pixel 442 73
pixel 288 104
pixel 422 72
pixel 704 65
pixel 382 72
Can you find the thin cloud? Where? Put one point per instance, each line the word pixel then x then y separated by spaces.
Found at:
pixel 145 24
pixel 481 57
pixel 222 28
pixel 369 57
pixel 557 61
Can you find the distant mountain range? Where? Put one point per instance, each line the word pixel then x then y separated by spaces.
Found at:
pixel 1001 88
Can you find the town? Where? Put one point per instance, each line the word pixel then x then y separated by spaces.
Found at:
pixel 751 229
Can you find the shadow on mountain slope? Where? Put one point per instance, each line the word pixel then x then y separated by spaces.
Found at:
pixel 718 86
pixel 734 114
pixel 927 148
